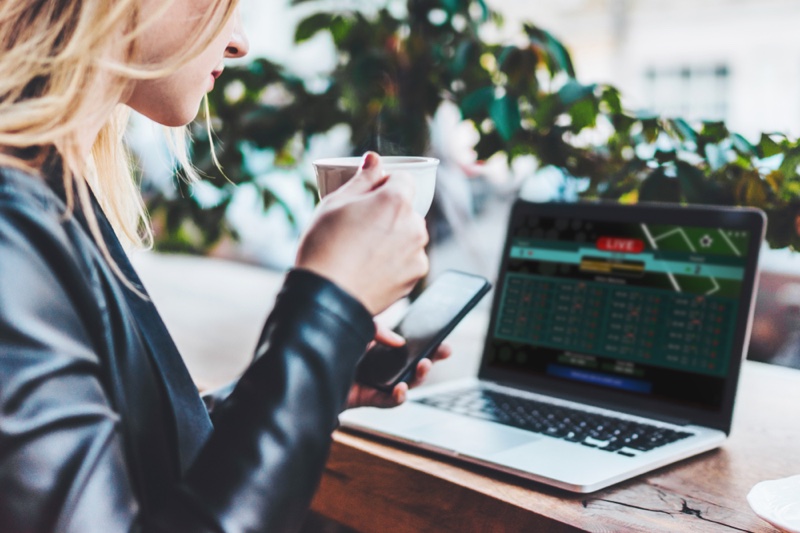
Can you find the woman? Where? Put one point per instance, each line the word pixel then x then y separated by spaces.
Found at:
pixel 101 428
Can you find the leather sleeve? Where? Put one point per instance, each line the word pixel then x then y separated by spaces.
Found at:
pixel 63 463
pixel 286 403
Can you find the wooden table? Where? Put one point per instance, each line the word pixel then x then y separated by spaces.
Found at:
pixel 376 486
pixel 372 486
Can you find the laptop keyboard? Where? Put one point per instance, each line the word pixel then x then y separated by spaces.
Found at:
pixel 625 437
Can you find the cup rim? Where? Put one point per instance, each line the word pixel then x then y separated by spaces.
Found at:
pixel 388 161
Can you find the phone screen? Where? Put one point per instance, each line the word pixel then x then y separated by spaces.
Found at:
pixel 425 325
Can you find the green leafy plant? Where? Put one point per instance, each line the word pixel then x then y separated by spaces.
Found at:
pixel 395 69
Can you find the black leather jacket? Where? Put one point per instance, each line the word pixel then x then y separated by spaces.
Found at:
pixel 101 427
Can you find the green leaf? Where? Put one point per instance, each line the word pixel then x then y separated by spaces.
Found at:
pixel 612 99
pixel 742 145
pixel 782 227
pixel 790 163
pixel 658 187
pixel 583 114
pixel 752 190
pixel 767 147
pixel 715 156
pixel 505 114
pixel 623 123
pixel 572 91
pixel 791 190
pixel 506 55
pixel 340 29
pixel 451 6
pixel 650 129
pixel 774 180
pixel 477 103
pixel 715 132
pixel 466 55
pixel 519 65
pixel 692 182
pixel 684 130
pixel 309 27
pixel 547 111
pixel 560 60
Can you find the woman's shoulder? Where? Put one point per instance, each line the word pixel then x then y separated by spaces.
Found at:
pixel 34 226
pixel 26 192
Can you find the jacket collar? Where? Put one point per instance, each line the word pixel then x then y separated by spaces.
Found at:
pixel 186 410
pixel 192 423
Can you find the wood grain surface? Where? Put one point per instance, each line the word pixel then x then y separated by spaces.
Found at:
pixel 370 485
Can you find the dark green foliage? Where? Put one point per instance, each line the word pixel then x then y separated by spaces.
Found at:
pixel 393 73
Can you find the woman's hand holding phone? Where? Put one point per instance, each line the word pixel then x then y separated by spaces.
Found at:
pixel 402 358
pixel 366 396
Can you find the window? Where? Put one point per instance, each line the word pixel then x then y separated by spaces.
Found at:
pixel 691 92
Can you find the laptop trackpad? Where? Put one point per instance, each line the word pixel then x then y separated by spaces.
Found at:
pixel 472 436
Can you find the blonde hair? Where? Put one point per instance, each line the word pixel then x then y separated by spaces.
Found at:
pixel 65 62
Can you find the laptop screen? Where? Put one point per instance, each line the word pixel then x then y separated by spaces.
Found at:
pixel 647 310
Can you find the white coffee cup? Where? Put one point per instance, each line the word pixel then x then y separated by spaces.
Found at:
pixel 334 172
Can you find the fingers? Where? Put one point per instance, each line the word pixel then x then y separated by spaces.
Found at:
pixel 368 239
pixel 361 395
pixel 369 176
pixel 423 367
pixel 420 239
pixel 399 393
pixel 419 267
pixel 386 336
pixel 367 396
pixel 397 189
pixel 443 352
pixel 395 198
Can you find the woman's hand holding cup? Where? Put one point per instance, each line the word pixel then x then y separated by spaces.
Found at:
pixel 367 238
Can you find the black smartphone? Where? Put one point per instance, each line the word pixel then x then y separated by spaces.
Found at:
pixel 429 319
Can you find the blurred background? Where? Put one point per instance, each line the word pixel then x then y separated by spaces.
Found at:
pixel 691 101
pixel 729 60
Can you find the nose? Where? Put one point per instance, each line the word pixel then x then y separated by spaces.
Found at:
pixel 238 46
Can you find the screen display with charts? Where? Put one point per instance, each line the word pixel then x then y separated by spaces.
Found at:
pixel 643 309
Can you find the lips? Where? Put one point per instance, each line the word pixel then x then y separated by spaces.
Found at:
pixel 217 73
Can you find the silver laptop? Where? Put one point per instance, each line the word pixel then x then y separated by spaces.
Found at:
pixel 614 346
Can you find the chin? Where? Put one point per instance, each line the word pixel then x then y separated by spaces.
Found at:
pixel 177 120
pixel 176 123
pixel 172 114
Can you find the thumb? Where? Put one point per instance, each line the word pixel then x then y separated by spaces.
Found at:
pixel 386 336
pixel 369 176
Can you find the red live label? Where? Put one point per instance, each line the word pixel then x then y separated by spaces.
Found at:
pixel 617 244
